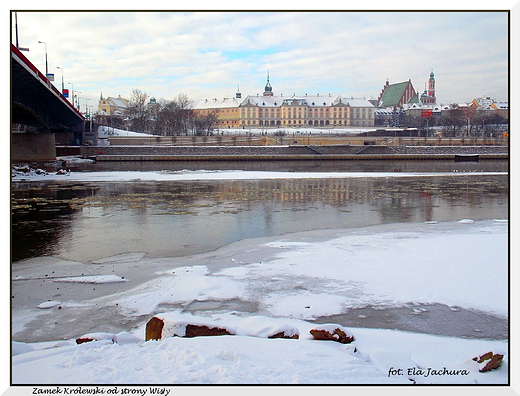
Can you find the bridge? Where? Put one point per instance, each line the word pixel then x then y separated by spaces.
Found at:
pixel 43 111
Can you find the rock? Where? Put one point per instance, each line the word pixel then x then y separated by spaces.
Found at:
pixel 204 330
pixel 154 329
pixel 332 332
pixel 282 334
pixel 265 327
pixel 489 361
pixel 177 325
pixel 96 337
pixel 83 340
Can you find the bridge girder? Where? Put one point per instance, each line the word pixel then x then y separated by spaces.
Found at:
pixel 37 103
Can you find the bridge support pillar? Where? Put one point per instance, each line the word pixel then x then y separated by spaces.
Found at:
pixel 28 147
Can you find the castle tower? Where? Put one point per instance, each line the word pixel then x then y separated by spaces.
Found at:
pixel 238 95
pixel 268 90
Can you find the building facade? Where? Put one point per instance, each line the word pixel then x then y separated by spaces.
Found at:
pixel 112 106
pixel 271 111
pixel 226 110
pixel 396 95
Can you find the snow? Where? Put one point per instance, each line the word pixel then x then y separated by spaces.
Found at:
pixel 92 279
pixel 185 175
pixel 175 324
pixel 242 359
pixel 49 304
pixel 297 279
pixel 261 326
pixel 293 280
pixel 105 132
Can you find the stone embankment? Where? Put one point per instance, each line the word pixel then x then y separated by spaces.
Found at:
pixel 332 152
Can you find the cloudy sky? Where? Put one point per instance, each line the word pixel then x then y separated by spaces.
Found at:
pixel 210 54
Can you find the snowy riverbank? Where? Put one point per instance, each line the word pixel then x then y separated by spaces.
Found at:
pixel 295 278
pixel 26 173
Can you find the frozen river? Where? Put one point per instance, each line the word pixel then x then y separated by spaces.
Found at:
pixel 179 212
pixel 137 225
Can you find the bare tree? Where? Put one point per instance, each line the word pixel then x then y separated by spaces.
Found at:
pixel 139 114
pixel 452 121
pixel 176 117
pixel 205 124
pixel 165 119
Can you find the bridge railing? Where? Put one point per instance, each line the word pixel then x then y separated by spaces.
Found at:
pixel 44 79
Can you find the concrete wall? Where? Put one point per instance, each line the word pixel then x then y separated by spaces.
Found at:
pixel 26 147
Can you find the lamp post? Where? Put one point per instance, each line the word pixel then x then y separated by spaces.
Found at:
pixel 62 85
pixel 77 99
pixel 72 96
pixel 16 30
pixel 86 104
pixel 46 64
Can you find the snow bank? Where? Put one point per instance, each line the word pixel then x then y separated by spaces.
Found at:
pixel 375 357
pixel 184 175
pixel 264 327
pixel 294 279
pixel 106 132
pixel 175 324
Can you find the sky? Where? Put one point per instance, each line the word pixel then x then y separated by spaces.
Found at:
pixel 207 55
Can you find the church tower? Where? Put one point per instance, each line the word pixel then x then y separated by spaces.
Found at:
pixel 431 86
pixel 268 90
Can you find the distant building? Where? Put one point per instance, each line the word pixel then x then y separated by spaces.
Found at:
pixel 227 110
pixel 270 110
pixel 153 107
pixel 428 96
pixel 491 107
pixel 112 106
pixel 396 95
pixel 400 94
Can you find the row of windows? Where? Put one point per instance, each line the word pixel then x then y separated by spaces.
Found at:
pixel 307 123
pixel 359 113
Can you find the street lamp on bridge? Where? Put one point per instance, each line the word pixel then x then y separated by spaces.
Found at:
pixel 46 64
pixel 77 99
pixel 72 96
pixel 62 85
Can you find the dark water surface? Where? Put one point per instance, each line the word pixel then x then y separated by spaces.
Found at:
pixel 86 221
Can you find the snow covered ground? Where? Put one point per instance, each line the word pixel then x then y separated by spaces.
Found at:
pixel 294 279
pixel 24 173
pixel 105 131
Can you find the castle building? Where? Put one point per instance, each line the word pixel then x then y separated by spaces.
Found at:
pixel 270 110
pixel 227 110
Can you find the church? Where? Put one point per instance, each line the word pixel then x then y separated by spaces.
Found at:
pixel 403 93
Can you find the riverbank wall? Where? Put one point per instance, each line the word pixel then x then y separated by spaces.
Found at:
pixel 296 152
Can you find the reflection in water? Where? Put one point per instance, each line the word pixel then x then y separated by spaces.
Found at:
pixel 88 221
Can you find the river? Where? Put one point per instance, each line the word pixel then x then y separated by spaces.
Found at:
pixel 88 220
pixel 85 221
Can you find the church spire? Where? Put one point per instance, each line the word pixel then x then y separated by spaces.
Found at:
pixel 268 90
